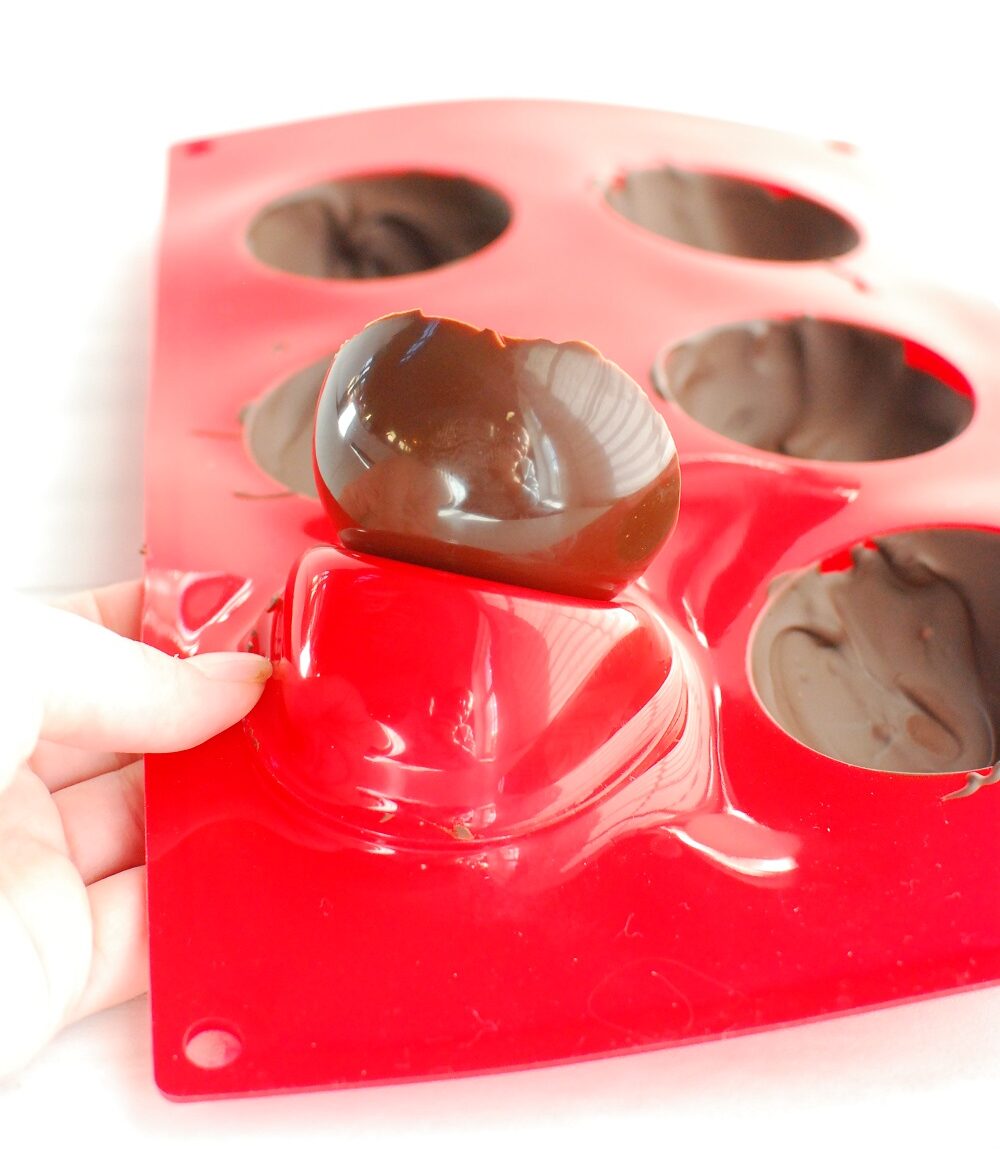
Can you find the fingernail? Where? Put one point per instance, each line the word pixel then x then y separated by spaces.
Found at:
pixel 226 666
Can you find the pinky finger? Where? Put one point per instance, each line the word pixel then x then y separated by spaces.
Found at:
pixel 119 967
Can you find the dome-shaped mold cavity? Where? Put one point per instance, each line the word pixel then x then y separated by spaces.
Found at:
pixel 278 428
pixel 374 227
pixel 816 389
pixel 890 658
pixel 731 215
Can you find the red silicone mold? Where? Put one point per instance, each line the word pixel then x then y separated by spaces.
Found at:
pixel 473 826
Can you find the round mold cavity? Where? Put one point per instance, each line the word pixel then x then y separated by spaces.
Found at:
pixel 278 428
pixel 731 215
pixel 887 656
pixel 816 389
pixel 374 227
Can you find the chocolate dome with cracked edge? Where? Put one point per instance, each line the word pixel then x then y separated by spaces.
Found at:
pixel 523 461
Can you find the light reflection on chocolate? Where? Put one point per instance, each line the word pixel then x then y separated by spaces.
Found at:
pixel 378 226
pixel 813 389
pixel 894 663
pixel 528 462
pixel 730 215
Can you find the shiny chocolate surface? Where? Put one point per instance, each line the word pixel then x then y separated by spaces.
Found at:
pixel 525 462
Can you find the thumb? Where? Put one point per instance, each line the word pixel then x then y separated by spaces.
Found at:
pixel 82 685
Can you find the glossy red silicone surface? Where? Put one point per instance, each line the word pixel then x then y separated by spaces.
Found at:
pixel 472 826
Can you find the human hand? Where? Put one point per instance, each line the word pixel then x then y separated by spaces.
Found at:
pixel 74 695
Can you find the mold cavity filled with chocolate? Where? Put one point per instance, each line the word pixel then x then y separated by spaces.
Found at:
pixel 813 389
pixel 731 216
pixel 371 227
pixel 278 428
pixel 894 662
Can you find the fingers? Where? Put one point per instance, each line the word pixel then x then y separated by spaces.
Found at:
pixel 117 607
pixel 103 822
pixel 28 1019
pixel 61 766
pixel 97 690
pixel 68 953
pixel 21 713
pixel 119 964
pixel 45 940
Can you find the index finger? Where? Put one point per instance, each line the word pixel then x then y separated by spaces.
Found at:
pixel 74 682
pixel 117 607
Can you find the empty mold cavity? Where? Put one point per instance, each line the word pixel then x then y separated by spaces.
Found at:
pixel 278 428
pixel 892 662
pixel 376 226
pixel 816 389
pixel 731 216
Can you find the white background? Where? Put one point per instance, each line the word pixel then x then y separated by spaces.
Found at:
pixel 91 95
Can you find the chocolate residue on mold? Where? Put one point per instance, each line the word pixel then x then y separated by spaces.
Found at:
pixel 278 428
pixel 378 226
pixel 894 663
pixel 813 389
pixel 731 216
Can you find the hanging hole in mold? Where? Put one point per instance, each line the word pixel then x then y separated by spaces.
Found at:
pixel 278 428
pixel 890 660
pixel 211 1046
pixel 816 389
pixel 372 227
pixel 730 215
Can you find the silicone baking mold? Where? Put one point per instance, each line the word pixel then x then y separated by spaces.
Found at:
pixel 475 825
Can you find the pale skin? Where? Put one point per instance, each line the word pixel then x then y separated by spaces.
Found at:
pixel 81 701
